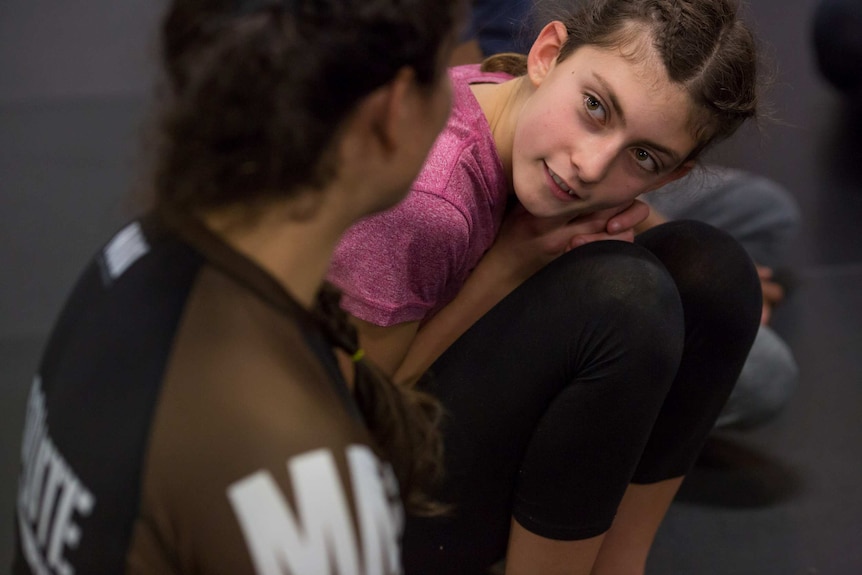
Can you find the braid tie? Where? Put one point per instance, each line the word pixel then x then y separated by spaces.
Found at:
pixel 402 420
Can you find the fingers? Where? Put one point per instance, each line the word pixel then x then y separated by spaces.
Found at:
pixel 583 239
pixel 764 272
pixel 628 218
pixel 611 224
pixel 773 292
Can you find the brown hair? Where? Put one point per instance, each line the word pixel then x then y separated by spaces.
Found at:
pixel 257 91
pixel 703 45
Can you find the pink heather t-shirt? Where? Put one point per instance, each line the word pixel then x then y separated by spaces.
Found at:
pixel 405 264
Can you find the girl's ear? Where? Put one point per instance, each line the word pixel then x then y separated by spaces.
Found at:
pixel 543 54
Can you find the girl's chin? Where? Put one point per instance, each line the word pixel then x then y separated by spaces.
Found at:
pixel 539 210
pixel 542 203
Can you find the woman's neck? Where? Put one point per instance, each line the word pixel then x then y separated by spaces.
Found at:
pixel 296 252
pixel 501 103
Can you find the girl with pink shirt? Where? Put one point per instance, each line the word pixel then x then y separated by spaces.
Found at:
pixel 580 377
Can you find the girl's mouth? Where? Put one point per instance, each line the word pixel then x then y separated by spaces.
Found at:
pixel 559 187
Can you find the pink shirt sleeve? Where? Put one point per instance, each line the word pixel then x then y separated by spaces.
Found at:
pixel 402 264
pixel 407 263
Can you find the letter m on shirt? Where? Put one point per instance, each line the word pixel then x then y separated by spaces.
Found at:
pixel 318 538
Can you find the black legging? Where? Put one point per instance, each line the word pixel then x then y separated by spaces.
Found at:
pixel 607 367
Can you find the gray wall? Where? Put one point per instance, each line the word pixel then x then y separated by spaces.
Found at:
pixel 52 49
pixel 75 79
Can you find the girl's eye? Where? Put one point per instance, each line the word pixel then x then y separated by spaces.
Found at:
pixel 645 160
pixel 594 108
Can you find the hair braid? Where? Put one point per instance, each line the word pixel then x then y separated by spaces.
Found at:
pixel 402 420
pixel 671 12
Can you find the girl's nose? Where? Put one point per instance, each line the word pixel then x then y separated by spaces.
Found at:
pixel 593 159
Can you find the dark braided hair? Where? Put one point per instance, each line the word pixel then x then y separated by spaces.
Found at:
pixel 703 45
pixel 403 420
pixel 257 91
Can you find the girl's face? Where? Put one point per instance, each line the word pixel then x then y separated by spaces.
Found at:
pixel 599 129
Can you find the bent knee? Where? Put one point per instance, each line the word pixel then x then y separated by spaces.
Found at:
pixel 620 276
pixel 711 269
pixel 622 296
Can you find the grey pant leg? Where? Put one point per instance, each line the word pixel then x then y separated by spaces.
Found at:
pixel 764 218
pixel 758 212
